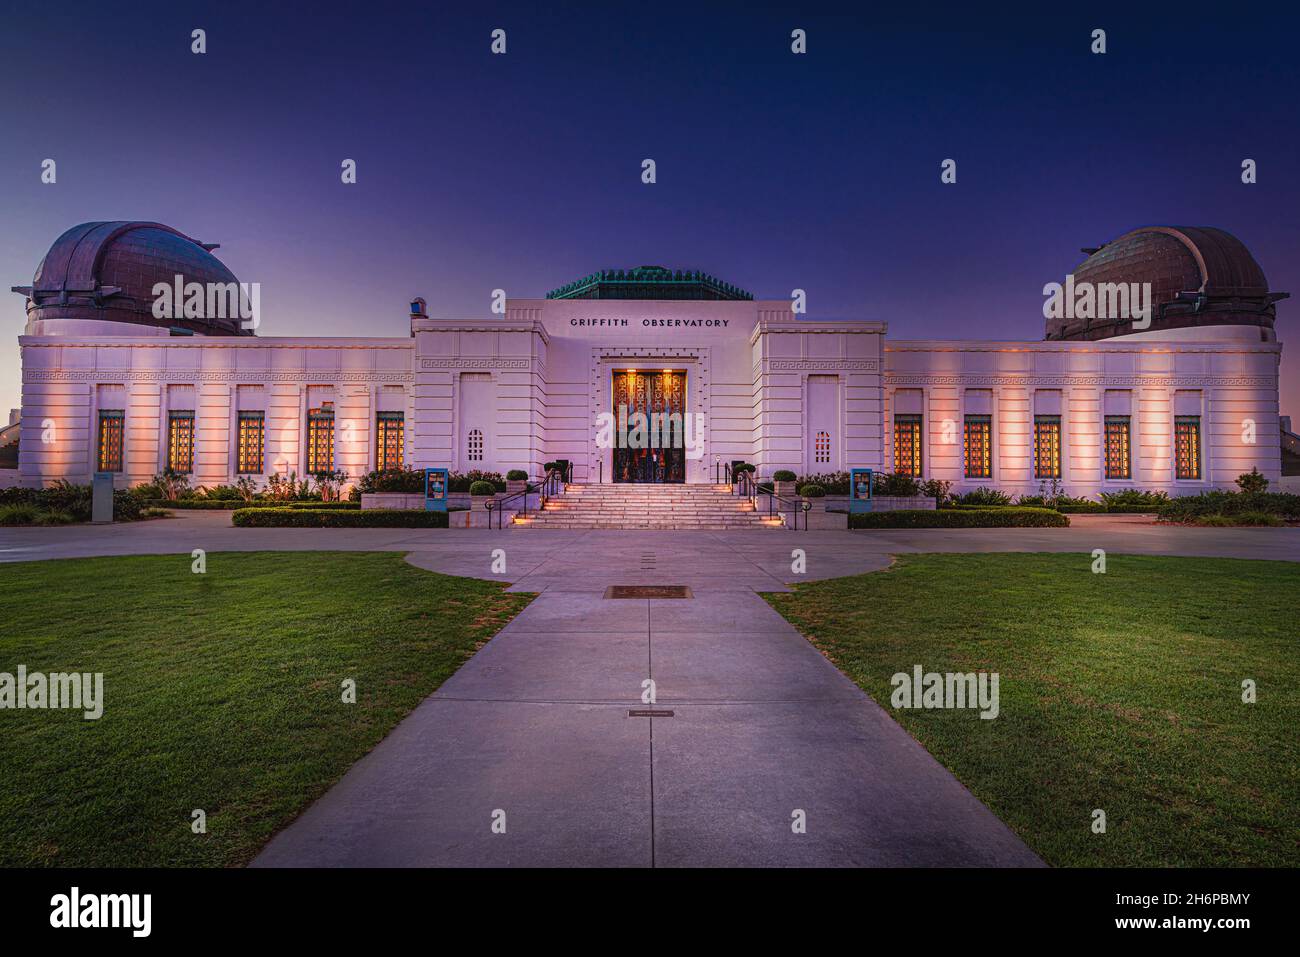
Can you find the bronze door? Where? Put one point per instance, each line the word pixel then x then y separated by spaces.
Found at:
pixel 655 452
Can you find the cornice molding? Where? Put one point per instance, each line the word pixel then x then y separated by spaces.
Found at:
pixel 240 376
pixel 817 365
pixel 476 362
pixel 1084 380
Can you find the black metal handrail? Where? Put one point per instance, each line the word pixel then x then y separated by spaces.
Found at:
pixel 551 485
pixel 796 507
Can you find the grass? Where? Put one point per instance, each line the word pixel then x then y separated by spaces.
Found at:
pixel 1119 691
pixel 222 692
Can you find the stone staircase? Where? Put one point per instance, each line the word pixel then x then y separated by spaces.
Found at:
pixel 647 506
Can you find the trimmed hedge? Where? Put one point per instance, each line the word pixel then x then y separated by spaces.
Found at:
pixel 209 505
pixel 194 504
pixel 1189 508
pixel 336 518
pixel 961 518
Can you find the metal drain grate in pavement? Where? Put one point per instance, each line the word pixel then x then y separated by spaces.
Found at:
pixel 647 713
pixel 648 591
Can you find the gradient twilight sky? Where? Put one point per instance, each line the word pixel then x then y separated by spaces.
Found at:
pixel 775 171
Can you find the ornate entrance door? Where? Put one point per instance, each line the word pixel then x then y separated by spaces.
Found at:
pixel 653 448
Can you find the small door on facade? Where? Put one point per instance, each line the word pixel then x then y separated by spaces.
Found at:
pixel 652 449
pixel 822 451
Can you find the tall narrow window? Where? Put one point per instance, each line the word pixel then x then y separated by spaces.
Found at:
pixel 1118 456
pixel 111 422
pixel 977 450
pixel 1047 446
pixel 907 445
pixel 388 440
pixel 320 439
pixel 252 442
pixel 474 448
pixel 1187 446
pixel 822 447
pixel 180 441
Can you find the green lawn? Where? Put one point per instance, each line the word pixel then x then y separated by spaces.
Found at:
pixel 1119 691
pixel 222 692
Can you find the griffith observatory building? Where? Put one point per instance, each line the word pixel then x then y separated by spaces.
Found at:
pixel 1093 405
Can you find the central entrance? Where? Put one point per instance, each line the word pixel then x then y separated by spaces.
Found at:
pixel 655 447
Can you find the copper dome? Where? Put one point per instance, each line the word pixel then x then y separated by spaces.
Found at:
pixel 1199 276
pixel 107 271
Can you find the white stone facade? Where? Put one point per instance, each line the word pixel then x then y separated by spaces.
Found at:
pixel 782 392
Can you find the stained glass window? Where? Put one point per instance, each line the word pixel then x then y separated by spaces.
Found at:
pixel 1118 456
pixel 111 423
pixel 1187 446
pixel 475 446
pixel 180 441
pixel 320 439
pixel 822 447
pixel 907 445
pixel 252 438
pixel 1047 446
pixel 977 450
pixel 388 440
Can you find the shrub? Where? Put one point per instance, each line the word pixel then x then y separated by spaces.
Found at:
pixel 19 513
pixel 1252 481
pixel 550 466
pixel 482 488
pixel 896 483
pixel 516 475
pixel 961 518
pixel 329 484
pixel 812 490
pixel 1132 499
pixel 406 481
pixel 1189 508
pixel 219 493
pixel 71 500
pixel 353 506
pixel 63 496
pixel 151 512
pixel 286 488
pixel 741 467
pixel 246 487
pixel 195 504
pixel 984 497
pixel 835 483
pixel 456 482
pixel 54 517
pixel 170 484
pixel 1241 518
pixel 336 518
pixel 938 489
pixel 783 475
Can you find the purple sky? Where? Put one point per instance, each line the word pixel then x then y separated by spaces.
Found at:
pixel 775 171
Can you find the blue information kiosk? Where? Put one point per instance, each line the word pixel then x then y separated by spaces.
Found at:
pixel 435 490
pixel 862 483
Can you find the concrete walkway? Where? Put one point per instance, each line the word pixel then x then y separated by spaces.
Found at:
pixel 537 725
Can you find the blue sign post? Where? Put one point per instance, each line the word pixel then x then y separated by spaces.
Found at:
pixel 435 490
pixel 862 484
